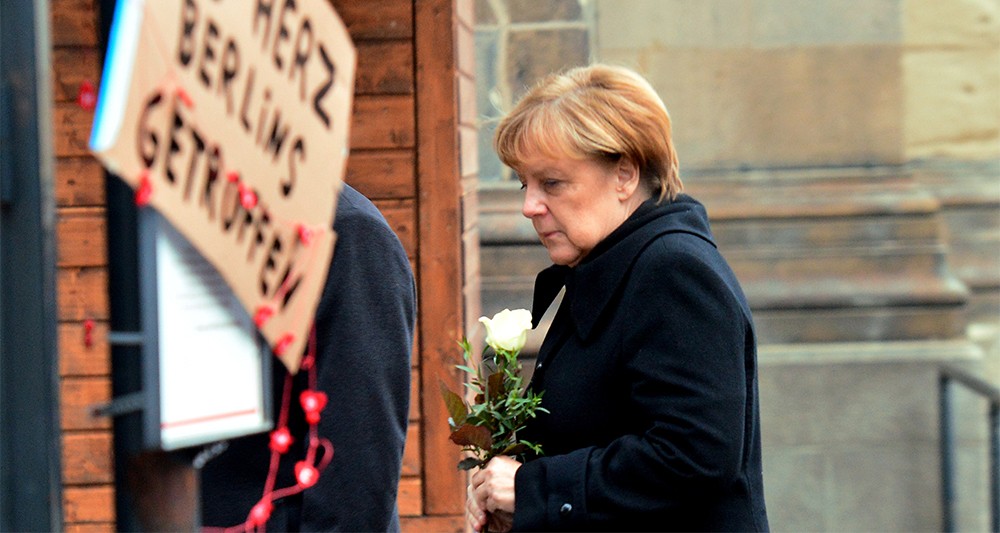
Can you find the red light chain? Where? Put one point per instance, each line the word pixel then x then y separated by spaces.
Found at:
pixel 307 471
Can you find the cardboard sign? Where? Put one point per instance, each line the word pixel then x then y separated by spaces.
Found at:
pixel 230 118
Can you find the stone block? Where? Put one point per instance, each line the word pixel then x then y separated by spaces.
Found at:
pixel 867 323
pixel 850 436
pixel 638 24
pixel 987 335
pixel 884 488
pixel 819 405
pixel 840 23
pixel 963 23
pixel 783 107
pixel 697 85
pixel 974 241
pixel 835 269
pixel 795 488
pixel 863 488
pixel 815 106
pixel 952 103
pixel 853 231
pixel 898 488
pixel 877 394
pixel 641 24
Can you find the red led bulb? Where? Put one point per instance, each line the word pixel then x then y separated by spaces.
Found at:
pixel 312 403
pixel 260 513
pixel 306 474
pixel 281 440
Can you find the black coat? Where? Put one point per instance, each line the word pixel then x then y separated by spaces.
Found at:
pixel 364 338
pixel 649 372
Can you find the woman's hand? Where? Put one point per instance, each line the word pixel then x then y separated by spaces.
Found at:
pixel 491 495
pixel 479 520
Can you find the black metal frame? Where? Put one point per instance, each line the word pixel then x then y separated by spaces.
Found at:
pixel 124 316
pixel 948 376
pixel 30 444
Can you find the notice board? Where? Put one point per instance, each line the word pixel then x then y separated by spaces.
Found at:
pixel 229 119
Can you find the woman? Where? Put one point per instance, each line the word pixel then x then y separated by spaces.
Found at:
pixel 649 368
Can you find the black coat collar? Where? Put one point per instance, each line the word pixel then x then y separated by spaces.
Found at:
pixel 591 284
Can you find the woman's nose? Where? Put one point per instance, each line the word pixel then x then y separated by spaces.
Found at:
pixel 532 206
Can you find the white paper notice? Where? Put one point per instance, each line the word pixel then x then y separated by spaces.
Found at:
pixel 211 363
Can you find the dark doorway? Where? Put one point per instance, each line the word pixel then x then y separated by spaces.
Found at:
pixel 30 474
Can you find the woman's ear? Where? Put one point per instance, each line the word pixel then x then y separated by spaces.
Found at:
pixel 627 176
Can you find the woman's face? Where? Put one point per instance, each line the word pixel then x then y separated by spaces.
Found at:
pixel 575 203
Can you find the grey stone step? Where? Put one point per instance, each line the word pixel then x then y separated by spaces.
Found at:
pixel 817 312
pixel 752 256
pixel 969 192
pixel 857 423
pixel 822 256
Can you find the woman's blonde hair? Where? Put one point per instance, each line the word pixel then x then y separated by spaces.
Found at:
pixel 600 112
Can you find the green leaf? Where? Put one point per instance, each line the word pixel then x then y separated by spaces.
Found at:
pixel 469 435
pixel 456 406
pixel 537 448
pixel 474 387
pixel 469 463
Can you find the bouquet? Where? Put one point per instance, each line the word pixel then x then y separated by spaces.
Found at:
pixel 488 426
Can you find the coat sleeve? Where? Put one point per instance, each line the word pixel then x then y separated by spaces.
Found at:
pixel 364 329
pixel 682 358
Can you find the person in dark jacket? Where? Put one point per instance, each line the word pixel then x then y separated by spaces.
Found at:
pixel 364 327
pixel 648 371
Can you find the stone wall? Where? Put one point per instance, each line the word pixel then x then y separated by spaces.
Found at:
pixel 770 83
pixel 848 154
pixel 891 80
pixel 951 79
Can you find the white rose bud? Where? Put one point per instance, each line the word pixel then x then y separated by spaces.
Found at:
pixel 507 330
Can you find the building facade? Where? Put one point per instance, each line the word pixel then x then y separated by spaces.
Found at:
pixel 848 152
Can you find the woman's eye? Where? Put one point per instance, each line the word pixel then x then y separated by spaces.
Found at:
pixel 524 185
pixel 550 184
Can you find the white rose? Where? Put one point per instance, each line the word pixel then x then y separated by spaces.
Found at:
pixel 507 330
